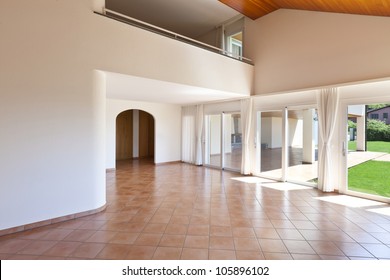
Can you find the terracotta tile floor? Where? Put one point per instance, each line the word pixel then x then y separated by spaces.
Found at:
pixel 179 211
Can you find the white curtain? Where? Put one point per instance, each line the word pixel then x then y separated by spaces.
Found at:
pixel 188 134
pixel 246 123
pixel 198 135
pixel 192 131
pixel 327 101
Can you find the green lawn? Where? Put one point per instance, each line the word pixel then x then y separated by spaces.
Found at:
pixel 370 177
pixel 372 146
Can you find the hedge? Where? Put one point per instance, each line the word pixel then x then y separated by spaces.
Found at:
pixel 377 131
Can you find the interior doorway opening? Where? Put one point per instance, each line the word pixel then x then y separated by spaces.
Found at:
pixel 135 139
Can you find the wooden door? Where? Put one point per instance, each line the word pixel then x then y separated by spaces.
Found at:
pixel 124 135
pixel 146 135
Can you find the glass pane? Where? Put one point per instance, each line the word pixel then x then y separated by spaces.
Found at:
pixel 213 150
pixel 271 133
pixel 302 146
pixel 368 157
pixel 232 141
pixel 235 45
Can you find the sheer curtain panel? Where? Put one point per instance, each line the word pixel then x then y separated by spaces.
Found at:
pixel 198 134
pixel 188 134
pixel 327 101
pixel 246 124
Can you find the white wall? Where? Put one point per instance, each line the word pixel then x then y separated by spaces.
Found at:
pixel 294 49
pixel 271 132
pixel 277 132
pixel 227 127
pixel 52 114
pixel 215 134
pixel 357 110
pixel 295 133
pixel 211 38
pixel 129 50
pixel 220 107
pixel 266 131
pixel 167 121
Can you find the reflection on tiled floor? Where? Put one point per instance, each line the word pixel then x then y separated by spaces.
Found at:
pixel 179 211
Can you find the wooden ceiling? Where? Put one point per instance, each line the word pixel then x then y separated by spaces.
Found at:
pixel 258 8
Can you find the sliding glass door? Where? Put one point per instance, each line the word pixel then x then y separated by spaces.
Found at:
pixel 270 143
pixel 223 146
pixel 213 147
pixel 302 146
pixel 287 145
pixel 232 141
pixel 367 151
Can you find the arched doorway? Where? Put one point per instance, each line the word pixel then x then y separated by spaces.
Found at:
pixel 134 135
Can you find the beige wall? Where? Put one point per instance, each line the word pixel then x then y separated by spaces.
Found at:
pixel 295 49
pixel 52 113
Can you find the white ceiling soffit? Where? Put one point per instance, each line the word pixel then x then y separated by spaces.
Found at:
pixel 374 87
pixel 191 18
pixel 127 87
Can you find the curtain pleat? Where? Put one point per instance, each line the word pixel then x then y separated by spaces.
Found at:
pixel 192 131
pixel 328 102
pixel 198 135
pixel 246 123
pixel 188 134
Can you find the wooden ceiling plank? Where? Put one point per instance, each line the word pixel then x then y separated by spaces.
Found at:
pixel 258 8
pixel 252 8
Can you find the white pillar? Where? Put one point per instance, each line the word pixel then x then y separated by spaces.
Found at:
pixel 360 134
pixel 308 139
pixel 98 6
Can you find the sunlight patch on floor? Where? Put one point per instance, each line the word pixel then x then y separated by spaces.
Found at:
pixel 383 211
pixel 350 201
pixel 251 179
pixel 280 186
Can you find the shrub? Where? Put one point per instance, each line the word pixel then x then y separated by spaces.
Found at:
pixel 377 131
pixel 351 124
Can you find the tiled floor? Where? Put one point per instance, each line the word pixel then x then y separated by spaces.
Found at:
pixel 179 211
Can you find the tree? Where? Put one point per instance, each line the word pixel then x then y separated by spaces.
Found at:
pixel 377 106
pixel 351 124
pixel 377 131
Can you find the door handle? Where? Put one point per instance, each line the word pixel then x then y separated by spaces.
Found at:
pixel 344 148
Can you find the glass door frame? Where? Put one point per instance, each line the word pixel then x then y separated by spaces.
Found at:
pixel 285 135
pixel 284 155
pixel 343 130
pixel 296 108
pixel 206 148
pixel 206 142
pixel 224 116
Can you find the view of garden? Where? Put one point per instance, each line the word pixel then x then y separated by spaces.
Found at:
pixel 372 176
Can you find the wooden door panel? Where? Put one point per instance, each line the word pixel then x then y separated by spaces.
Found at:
pixel 124 135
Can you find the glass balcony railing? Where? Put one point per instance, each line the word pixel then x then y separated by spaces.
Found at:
pixel 161 31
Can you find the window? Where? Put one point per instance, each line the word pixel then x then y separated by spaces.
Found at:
pixel 385 116
pixel 235 45
pixel 374 116
pixel 233 37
